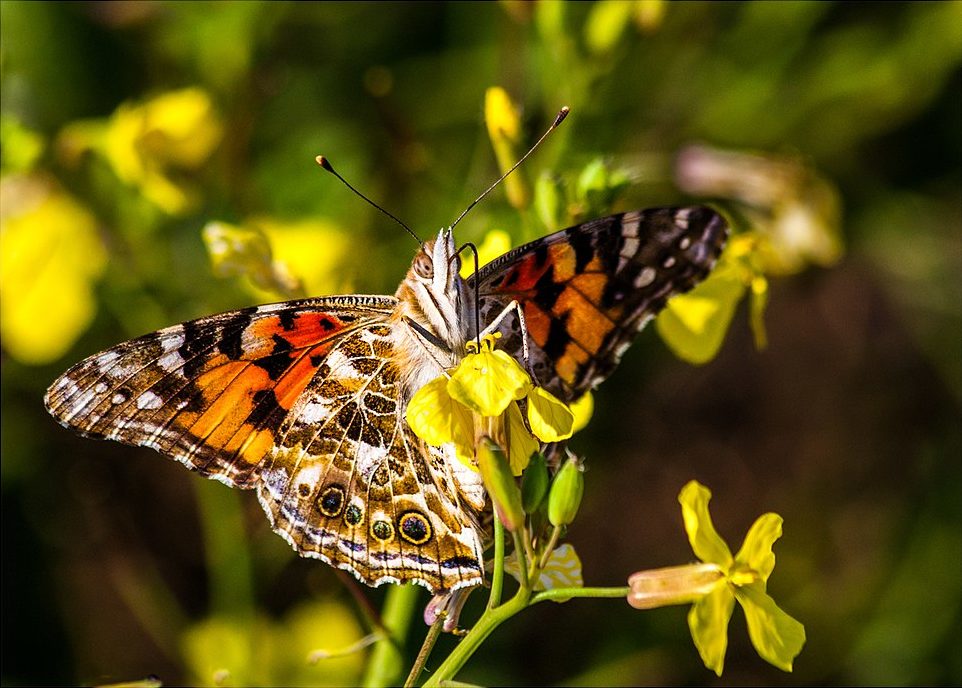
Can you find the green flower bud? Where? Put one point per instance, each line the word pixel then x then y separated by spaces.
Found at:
pixel 534 483
pixel 566 491
pixel 500 484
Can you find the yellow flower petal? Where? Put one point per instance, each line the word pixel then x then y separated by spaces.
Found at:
pixel 550 420
pixel 487 381
pixel 438 419
pixel 521 445
pixel 756 552
pixel 582 408
pixel 705 541
pixel 777 637
pixel 708 621
pixel 693 325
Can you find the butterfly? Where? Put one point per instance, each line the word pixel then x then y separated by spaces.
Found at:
pixel 304 401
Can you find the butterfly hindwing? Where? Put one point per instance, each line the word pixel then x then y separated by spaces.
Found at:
pixel 587 290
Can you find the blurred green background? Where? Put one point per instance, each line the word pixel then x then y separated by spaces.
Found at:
pixel 128 127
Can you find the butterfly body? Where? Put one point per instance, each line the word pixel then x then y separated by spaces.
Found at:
pixel 304 401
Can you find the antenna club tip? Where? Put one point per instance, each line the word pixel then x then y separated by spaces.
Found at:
pixel 562 113
pixel 323 162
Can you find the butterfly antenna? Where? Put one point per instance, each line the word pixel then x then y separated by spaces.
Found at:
pixel 325 163
pixel 557 120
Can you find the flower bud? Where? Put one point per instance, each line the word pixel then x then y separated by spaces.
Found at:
pixel 534 483
pixel 500 484
pixel 566 491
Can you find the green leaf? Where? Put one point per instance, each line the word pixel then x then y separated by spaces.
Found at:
pixel 708 621
pixel 705 541
pixel 756 551
pixel 777 637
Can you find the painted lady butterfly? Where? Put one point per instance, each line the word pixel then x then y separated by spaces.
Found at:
pixel 304 401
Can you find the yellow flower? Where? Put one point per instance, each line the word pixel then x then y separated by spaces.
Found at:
pixel 714 585
pixel 496 243
pixel 488 384
pixel 51 255
pixel 269 253
pixel 144 143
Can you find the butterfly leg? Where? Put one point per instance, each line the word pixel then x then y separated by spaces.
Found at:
pixel 516 307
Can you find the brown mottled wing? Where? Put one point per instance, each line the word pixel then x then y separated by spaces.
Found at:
pixel 587 290
pixel 268 397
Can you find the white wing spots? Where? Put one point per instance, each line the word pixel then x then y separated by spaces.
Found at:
pixel 149 401
pixel 645 277
pixel 100 387
pixel 314 412
pixel 369 459
pixel 119 398
pixel 170 362
pixel 684 243
pixel 669 262
pixel 630 222
pixel 309 476
pixel 628 251
pixel 681 218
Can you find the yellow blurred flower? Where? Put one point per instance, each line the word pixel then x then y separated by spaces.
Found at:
pixel 146 143
pixel 50 257
pixel 290 259
pixel 504 130
pixel 496 243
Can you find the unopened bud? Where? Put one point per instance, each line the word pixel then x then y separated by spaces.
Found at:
pixel 566 491
pixel 534 483
pixel 500 484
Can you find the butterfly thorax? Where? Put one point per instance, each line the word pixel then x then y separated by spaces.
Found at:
pixel 431 329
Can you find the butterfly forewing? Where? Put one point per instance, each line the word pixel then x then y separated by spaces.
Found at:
pixel 587 290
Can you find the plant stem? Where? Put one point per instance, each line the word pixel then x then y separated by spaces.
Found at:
pixel 385 665
pixel 555 534
pixel 567 593
pixel 425 652
pixel 490 620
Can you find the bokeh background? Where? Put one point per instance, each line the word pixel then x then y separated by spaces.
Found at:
pixel 834 127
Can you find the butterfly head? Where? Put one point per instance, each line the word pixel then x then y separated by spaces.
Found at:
pixel 432 295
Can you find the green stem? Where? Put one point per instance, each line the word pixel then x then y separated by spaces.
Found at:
pixel 555 534
pixel 385 666
pixel 425 651
pixel 489 621
pixel 519 552
pixel 497 574
pixel 566 593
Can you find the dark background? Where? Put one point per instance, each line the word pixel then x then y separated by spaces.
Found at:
pixel 118 564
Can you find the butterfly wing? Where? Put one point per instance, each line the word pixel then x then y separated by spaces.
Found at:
pixel 300 401
pixel 587 290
